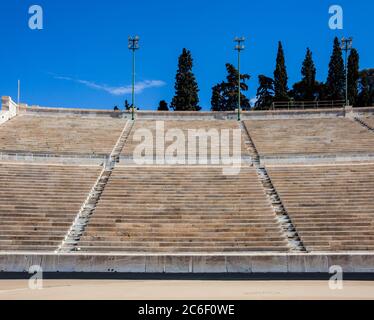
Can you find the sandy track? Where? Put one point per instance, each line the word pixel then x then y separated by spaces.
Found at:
pixel 183 290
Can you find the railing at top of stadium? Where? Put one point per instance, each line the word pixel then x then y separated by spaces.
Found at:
pixel 308 104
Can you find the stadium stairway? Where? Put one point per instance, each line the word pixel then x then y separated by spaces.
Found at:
pixel 249 144
pixel 82 219
pixel 115 155
pixel 283 218
pixel 364 124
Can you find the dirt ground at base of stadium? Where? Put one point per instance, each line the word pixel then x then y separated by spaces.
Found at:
pixel 183 290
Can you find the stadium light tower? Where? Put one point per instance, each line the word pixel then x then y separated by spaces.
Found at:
pixel 133 46
pixel 239 47
pixel 346 46
pixel 18 92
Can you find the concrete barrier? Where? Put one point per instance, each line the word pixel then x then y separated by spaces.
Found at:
pixel 53 158
pixel 189 263
pixel 46 111
pixel 363 112
pixel 188 115
pixel 315 159
pixel 4 117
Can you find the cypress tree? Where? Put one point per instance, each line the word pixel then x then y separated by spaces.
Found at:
pixel 265 93
pixel 353 77
pixel 280 76
pixel 306 89
pixel 186 88
pixel 308 72
pixel 336 76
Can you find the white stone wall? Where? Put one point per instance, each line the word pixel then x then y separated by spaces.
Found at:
pixel 4 116
pixel 197 263
pixel 9 109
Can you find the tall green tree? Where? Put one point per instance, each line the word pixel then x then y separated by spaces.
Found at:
pixel 307 88
pixel 336 75
pixel 353 77
pixel 163 106
pixel 265 93
pixel 186 89
pixel 225 94
pixel 280 76
pixel 308 72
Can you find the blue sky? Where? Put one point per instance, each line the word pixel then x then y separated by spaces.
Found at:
pixel 80 58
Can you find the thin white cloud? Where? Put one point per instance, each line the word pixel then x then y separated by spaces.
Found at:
pixel 117 91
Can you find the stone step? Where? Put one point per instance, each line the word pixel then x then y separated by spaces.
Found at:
pixel 187 249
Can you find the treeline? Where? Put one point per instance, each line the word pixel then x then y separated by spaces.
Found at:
pixel 360 83
pixel 271 89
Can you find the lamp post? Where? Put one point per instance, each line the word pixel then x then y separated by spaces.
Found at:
pixel 133 46
pixel 239 47
pixel 18 92
pixel 346 46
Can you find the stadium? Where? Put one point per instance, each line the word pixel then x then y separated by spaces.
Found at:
pixel 74 201
pixel 186 150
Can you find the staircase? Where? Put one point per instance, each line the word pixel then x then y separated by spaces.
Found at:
pixel 83 217
pixel 251 146
pixel 364 124
pixel 77 228
pixel 115 155
pixel 285 222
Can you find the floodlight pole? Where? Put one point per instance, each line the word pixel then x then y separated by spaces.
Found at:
pixel 18 92
pixel 133 84
pixel 346 46
pixel 133 46
pixel 239 47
